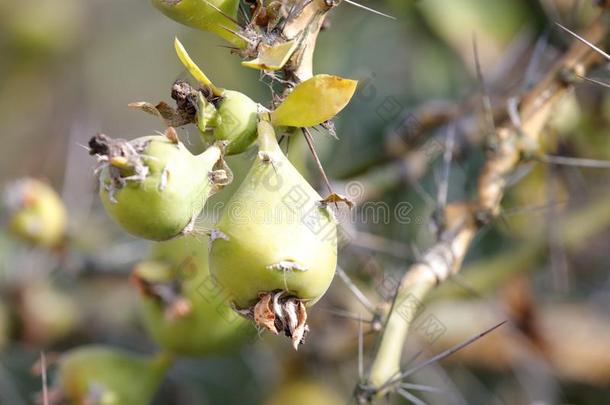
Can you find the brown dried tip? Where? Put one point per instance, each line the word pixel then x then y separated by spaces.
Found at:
pixel 277 313
pixel 264 315
pixel 337 198
pixel 172 135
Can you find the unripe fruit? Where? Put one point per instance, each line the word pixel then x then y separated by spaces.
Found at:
pixel 108 376
pixel 182 309
pixel 46 314
pixel 231 114
pixel 275 244
pixel 34 28
pixel 36 213
pixel 305 392
pixel 153 186
pixel 217 16
pixel 236 121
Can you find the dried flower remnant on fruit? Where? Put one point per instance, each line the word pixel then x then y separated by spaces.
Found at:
pixel 274 269
pixel 120 156
pixel 153 186
pixel 277 312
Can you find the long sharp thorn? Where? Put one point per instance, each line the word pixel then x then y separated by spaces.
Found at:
pixel 571 161
pixel 595 81
pixel 461 282
pixel 345 314
pixel 410 397
pixel 312 149
pixel 535 60
pixel 447 157
pixel 243 13
pixel 222 12
pixel 237 34
pixel 486 101
pixel 43 366
pixel 594 47
pixel 353 3
pixel 360 351
pixel 423 388
pixel 441 355
pixel 355 290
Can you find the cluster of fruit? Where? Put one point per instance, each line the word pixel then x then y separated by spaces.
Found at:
pixel 155 189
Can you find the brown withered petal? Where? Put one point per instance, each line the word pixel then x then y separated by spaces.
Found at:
pixel 171 116
pixel 301 328
pixel 172 135
pixel 263 314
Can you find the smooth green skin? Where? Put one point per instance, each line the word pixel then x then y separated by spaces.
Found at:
pixel 263 231
pixel 145 211
pixel 200 15
pixel 44 221
pixel 124 378
pixel 237 118
pixel 305 392
pixel 49 313
pixel 212 327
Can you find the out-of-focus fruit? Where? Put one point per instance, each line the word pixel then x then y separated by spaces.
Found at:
pixel 46 314
pixel 108 376
pixel 36 212
pixel 305 392
pixel 183 310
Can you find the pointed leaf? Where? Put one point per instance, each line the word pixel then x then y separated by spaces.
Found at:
pixel 193 69
pixel 273 57
pixel 314 101
pixel 206 113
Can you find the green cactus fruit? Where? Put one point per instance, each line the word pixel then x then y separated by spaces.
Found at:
pixel 182 308
pixel 236 121
pixel 46 314
pixel 104 375
pixel 275 246
pixel 231 114
pixel 305 392
pixel 216 16
pixel 36 213
pixel 153 186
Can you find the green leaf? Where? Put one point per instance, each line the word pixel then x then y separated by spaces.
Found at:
pixel 314 101
pixel 193 69
pixel 206 113
pixel 273 57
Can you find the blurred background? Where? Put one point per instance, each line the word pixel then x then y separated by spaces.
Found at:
pixel 68 70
